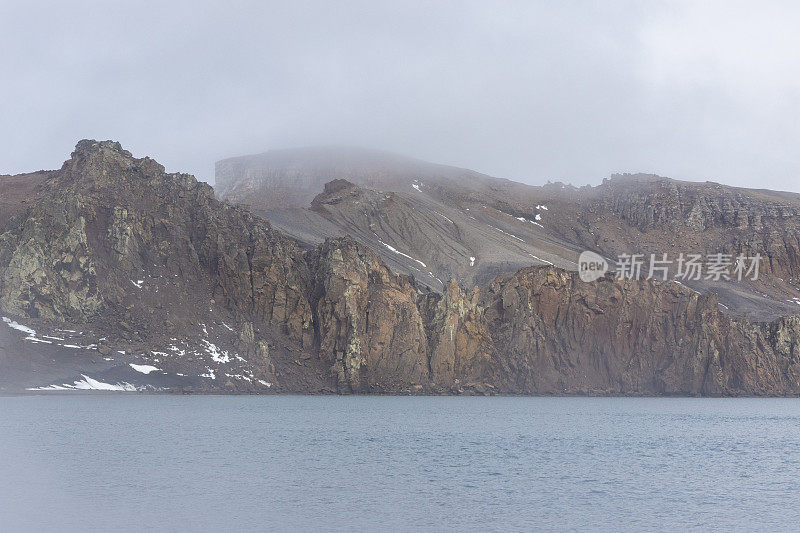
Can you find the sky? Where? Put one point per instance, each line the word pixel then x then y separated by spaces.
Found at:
pixel 530 91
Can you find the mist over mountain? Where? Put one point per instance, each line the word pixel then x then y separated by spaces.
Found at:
pixel 417 278
pixel 531 91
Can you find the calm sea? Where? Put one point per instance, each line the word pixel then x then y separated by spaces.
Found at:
pixel 216 463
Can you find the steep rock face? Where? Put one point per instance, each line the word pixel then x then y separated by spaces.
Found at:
pixel 147 257
pixel 108 217
pixel 370 328
pixel 166 276
pixel 557 334
pixel 471 227
pixel 729 219
pixel 48 271
pixel 459 341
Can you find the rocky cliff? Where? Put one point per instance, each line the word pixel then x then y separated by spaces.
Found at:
pixel 128 276
pixel 436 223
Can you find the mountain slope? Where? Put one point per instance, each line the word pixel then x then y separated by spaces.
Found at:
pixel 115 275
pixel 421 213
pixel 293 177
pixel 154 265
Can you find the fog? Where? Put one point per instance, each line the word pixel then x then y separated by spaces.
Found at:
pixel 532 91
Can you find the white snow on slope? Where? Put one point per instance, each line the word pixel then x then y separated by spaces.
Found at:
pixel 507 233
pixel 434 277
pixel 471 261
pixel 538 217
pixel 138 283
pixel 19 327
pixel 684 285
pixel 88 383
pixel 25 329
pixel 239 376
pixel 217 355
pixel 540 259
pixel 395 250
pixel 444 217
pixel 144 369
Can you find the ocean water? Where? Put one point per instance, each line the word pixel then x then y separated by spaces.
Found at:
pixel 224 463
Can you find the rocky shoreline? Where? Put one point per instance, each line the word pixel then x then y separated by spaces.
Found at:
pixel 156 273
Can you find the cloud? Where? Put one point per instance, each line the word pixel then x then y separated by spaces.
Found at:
pixel 525 90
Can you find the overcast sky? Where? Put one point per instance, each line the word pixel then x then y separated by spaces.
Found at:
pixel 525 90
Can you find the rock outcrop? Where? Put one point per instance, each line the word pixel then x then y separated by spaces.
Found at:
pixel 207 296
pixel 471 227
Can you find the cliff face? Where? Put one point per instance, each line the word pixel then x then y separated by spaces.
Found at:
pixel 712 216
pixel 154 271
pixel 555 333
pixel 155 265
pixel 471 227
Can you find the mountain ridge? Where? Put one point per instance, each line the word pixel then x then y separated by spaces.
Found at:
pixel 130 277
pixel 507 225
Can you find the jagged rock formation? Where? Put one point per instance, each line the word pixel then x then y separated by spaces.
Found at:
pixel 414 213
pixel 150 261
pixel 169 287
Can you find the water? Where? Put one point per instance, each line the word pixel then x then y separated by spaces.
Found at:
pixel 119 462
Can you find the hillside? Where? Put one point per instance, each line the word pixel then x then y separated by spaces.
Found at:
pixel 115 275
pixel 429 221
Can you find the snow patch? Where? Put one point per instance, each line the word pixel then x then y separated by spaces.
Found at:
pixel 88 383
pixel 217 355
pixel 138 283
pixel 25 329
pixel 395 250
pixel 239 376
pixel 19 327
pixel 540 259
pixel 444 217
pixel 144 369
pixel 176 350
pixel 471 261
pixel 506 233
